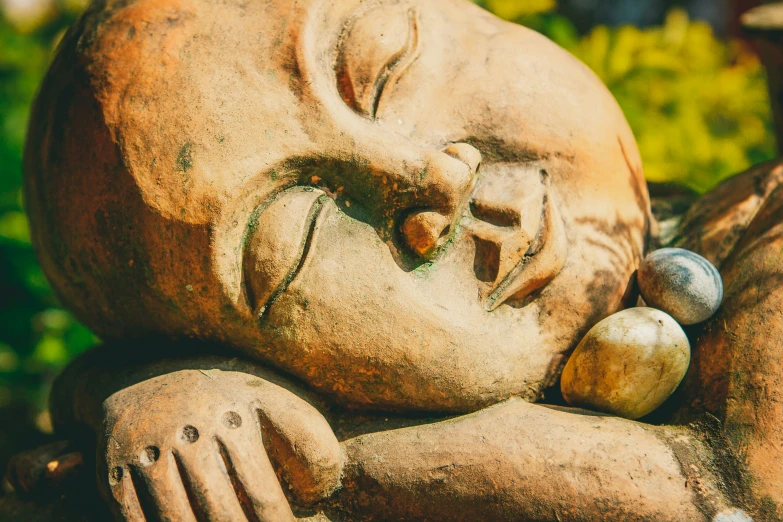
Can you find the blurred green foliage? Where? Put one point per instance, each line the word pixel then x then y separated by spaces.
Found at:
pixel 698 106
pixel 36 337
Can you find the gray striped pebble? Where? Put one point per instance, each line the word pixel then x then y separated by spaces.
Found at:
pixel 681 283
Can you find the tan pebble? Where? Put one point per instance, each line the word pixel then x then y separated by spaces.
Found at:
pixel 628 364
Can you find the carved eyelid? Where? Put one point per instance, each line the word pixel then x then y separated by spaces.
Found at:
pixel 397 63
pixel 278 242
pixel 350 87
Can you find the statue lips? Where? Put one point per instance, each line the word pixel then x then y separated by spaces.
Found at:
pixel 541 262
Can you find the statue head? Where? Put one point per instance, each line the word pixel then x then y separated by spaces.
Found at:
pixel 407 204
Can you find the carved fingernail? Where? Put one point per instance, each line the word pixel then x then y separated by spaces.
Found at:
pixel 115 476
pixel 149 456
pixel 232 420
pixel 189 434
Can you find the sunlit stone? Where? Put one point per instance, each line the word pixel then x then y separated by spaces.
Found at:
pixel 681 283
pixel 628 364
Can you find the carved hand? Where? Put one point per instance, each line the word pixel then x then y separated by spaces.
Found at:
pixel 196 445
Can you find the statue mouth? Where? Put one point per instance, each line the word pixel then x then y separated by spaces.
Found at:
pixel 518 272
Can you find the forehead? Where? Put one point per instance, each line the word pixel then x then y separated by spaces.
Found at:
pixel 199 94
pixel 203 95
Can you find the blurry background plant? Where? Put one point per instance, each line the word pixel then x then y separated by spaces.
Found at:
pixel 36 337
pixel 698 105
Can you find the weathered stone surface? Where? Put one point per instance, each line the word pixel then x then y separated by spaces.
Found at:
pixel 732 515
pixel 242 173
pixel 206 122
pixel 628 364
pixel 521 462
pixel 737 369
pixel 715 223
pixel 681 283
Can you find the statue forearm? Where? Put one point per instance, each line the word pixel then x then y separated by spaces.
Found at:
pixel 512 461
pixel 520 461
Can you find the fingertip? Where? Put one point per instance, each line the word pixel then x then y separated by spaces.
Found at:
pixel 124 501
pixel 254 482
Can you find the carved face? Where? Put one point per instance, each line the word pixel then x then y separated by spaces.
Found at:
pixel 407 204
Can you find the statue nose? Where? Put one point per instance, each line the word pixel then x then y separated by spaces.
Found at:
pixel 425 229
pixel 520 242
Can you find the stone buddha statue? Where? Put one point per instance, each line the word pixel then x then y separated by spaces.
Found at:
pixel 337 249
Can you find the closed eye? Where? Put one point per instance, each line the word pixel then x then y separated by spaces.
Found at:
pixel 397 63
pixel 380 46
pixel 278 242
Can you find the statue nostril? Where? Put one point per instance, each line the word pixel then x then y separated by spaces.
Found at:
pixel 425 231
pixel 486 264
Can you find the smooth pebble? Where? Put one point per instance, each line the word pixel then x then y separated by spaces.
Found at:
pixel 628 364
pixel 681 283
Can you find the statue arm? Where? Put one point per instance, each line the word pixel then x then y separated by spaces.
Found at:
pixel 522 461
pixel 736 371
pixel 512 461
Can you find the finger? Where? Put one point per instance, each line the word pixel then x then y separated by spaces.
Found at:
pixel 252 476
pixel 63 468
pixel 26 470
pixel 159 488
pixel 122 496
pixel 207 483
pixel 300 441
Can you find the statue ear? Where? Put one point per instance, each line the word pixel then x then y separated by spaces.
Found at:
pixel 277 241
